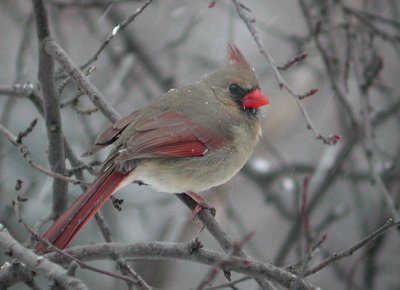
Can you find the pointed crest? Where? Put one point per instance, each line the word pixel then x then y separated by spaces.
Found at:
pixel 235 56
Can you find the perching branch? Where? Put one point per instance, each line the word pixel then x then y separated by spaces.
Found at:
pixel 223 239
pixel 166 250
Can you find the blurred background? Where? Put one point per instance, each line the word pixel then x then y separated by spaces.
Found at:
pixel 353 60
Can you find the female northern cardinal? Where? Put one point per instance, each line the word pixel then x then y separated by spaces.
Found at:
pixel 188 140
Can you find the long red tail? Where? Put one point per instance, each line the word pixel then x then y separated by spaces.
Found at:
pixel 67 226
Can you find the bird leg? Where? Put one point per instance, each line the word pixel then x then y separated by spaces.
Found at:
pixel 200 204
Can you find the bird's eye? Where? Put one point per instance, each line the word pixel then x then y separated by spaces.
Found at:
pixel 234 88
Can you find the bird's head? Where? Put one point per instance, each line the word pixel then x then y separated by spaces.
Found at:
pixel 238 82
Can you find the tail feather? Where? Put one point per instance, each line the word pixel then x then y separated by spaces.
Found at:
pixel 67 226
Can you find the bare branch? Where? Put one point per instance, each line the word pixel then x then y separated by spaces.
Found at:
pixel 329 140
pixel 27 155
pixel 166 250
pixel 124 267
pixel 56 51
pixel 121 26
pixel 16 204
pixel 295 60
pixel 346 253
pixel 223 239
pixel 36 263
pixel 51 108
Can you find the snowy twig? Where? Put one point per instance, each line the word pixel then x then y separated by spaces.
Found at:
pixel 121 26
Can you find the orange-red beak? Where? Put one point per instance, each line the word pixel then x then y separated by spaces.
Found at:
pixel 254 99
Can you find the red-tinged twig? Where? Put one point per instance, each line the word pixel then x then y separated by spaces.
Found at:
pixel 238 245
pixel 211 4
pixel 297 59
pixel 209 278
pixel 308 94
pixel 28 157
pixel 249 21
pixel 16 205
pixel 347 253
pixel 324 179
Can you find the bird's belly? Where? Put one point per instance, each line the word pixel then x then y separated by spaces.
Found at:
pixel 188 174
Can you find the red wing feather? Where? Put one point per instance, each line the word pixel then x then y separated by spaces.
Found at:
pixel 110 134
pixel 170 134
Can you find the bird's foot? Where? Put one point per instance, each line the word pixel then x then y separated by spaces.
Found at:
pixel 203 205
pixel 200 204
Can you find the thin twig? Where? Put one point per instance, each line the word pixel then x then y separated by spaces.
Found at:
pixel 230 284
pixel 341 96
pixel 38 264
pixel 119 27
pixel 295 60
pixel 124 267
pixel 223 239
pixel 369 145
pixel 329 140
pixel 28 157
pixel 346 253
pixel 213 272
pixel 16 204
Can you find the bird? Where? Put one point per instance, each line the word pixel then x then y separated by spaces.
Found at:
pixel 188 140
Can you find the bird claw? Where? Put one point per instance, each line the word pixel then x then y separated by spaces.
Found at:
pixel 202 204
